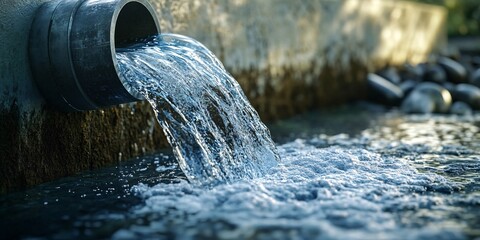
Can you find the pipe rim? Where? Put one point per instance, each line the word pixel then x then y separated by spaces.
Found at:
pixel 120 6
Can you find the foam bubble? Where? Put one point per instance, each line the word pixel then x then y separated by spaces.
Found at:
pixel 313 193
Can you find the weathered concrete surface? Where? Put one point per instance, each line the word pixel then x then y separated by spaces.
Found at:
pixel 289 56
pixel 294 55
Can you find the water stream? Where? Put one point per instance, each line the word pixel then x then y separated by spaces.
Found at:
pixel 216 135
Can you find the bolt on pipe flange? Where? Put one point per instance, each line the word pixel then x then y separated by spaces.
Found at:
pixel 72 50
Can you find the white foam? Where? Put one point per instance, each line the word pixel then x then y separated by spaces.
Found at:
pixel 314 193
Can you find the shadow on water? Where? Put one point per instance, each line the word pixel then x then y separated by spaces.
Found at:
pixel 80 206
pixel 346 119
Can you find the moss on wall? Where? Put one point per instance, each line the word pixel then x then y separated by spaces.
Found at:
pixel 54 144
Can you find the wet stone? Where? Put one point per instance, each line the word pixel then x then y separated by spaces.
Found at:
pixel 407 86
pixel 468 93
pixel 476 61
pixel 430 87
pixel 383 91
pixel 409 72
pixel 434 73
pixel 390 74
pixel 421 98
pixel 460 108
pixel 449 86
pixel 475 78
pixel 467 63
pixel 418 102
pixel 455 72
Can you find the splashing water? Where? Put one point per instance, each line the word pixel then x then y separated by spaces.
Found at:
pixel 215 133
pixel 331 193
pixel 397 178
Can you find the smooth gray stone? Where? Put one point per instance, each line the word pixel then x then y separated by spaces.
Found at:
pixel 383 91
pixel 418 102
pixel 454 71
pixel 434 73
pixel 460 108
pixel 468 93
pixel 449 86
pixel 420 99
pixel 441 96
pixel 409 72
pixel 466 62
pixel 390 74
pixel 475 78
pixel 407 86
pixel 475 61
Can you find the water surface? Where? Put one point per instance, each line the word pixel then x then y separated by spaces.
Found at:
pixel 414 177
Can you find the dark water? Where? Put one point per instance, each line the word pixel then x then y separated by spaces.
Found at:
pixel 346 173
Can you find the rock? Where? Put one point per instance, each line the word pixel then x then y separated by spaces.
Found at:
pixel 390 74
pixel 475 61
pixel 466 62
pixel 434 73
pixel 449 86
pixel 455 72
pixel 407 86
pixel 475 78
pixel 468 93
pixel 418 102
pixel 460 108
pixel 409 72
pixel 383 91
pixel 427 97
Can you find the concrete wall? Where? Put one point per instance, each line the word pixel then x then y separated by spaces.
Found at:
pixel 294 55
pixel 289 56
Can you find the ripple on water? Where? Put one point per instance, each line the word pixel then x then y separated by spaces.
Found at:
pixel 378 184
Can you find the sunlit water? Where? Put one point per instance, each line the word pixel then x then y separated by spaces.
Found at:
pixel 399 178
pixel 215 133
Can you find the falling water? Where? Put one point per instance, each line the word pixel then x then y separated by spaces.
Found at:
pixel 216 135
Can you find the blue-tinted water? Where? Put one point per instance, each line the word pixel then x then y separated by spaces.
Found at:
pixel 400 177
pixel 215 133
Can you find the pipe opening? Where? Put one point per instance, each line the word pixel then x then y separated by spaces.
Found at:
pixel 72 50
pixel 134 21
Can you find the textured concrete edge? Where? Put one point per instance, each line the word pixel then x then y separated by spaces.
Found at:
pixel 64 144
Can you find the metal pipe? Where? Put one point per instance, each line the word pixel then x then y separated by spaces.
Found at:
pixel 72 50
